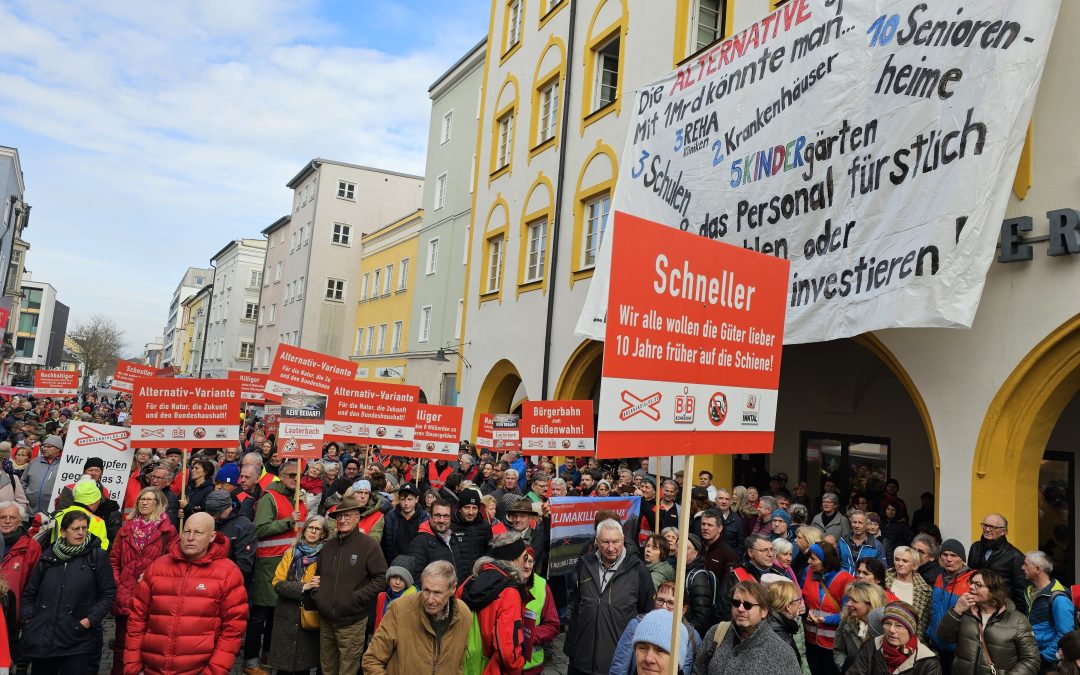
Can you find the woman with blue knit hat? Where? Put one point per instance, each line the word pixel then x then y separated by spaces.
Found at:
pixel 652 643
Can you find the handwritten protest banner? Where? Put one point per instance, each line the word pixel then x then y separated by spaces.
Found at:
pixel 485 431
pixel 572 528
pixel 557 428
pixel 185 413
pixel 110 444
pixel 872 144
pixel 56 382
pixel 302 371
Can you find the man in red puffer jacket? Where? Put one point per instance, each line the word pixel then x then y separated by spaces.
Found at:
pixel 206 634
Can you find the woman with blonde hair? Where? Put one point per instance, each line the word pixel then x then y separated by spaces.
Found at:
pixel 740 502
pixel 862 597
pixel 786 603
pixel 295 647
pixel 904 581
pixel 805 537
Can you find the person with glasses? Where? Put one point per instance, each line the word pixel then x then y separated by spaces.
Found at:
pixel 294 647
pixel 990 635
pixel 748 644
pixel 824 591
pixel 433 540
pixel 349 575
pixel 899 649
pixel 276 520
pixel 622 662
pixel 759 559
pixel 952 584
pixel 993 551
pixel 786 608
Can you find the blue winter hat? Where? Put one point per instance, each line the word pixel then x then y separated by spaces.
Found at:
pixel 655 629
pixel 782 515
pixel 818 551
pixel 228 473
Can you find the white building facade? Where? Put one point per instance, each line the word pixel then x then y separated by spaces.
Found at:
pixel 193 280
pixel 234 307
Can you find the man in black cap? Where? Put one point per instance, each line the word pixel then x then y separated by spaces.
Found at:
pixel 402 522
pixel 473 533
pixel 240 531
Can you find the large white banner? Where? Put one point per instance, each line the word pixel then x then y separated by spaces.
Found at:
pixel 871 143
pixel 110 444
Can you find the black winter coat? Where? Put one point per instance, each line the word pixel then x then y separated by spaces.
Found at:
pixel 243 542
pixel 398 532
pixel 427 547
pixel 1006 560
pixel 472 542
pixel 59 595
pixel 1008 637
pixel 869 661
pixel 786 628
pixel 701 596
pixel 196 497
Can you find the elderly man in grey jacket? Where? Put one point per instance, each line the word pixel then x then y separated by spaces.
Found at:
pixel 40 476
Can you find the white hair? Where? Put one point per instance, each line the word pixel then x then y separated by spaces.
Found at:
pixel 7 504
pixel 1036 558
pixel 441 568
pixel 608 524
pixel 780 546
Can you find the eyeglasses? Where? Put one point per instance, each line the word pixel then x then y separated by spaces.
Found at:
pixel 666 602
pixel 763 550
pixel 745 604
pixel 976 585
pixel 988 526
pixel 289 475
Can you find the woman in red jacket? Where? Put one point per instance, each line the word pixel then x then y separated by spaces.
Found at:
pixel 141 541
pixel 824 592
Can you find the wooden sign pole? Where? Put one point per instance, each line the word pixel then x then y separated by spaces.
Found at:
pixel 680 569
pixel 183 485
pixel 656 497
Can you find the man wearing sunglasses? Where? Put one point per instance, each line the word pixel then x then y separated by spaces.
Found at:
pixel 993 551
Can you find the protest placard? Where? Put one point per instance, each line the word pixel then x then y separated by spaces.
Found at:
pixel 383 413
pixel 252 386
pixel 128 371
pixel 302 371
pixel 557 428
pixel 572 528
pixel 694 345
pixel 185 413
pixel 110 444
pixel 300 426
pixel 872 144
pixel 505 433
pixel 56 382
pixel 437 433
pixel 271 415
pixel 484 432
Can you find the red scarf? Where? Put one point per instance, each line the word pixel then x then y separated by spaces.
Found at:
pixel 896 656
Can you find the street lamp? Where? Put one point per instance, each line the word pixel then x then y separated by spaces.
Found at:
pixel 440 356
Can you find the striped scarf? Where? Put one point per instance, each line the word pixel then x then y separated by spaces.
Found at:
pixel 65 551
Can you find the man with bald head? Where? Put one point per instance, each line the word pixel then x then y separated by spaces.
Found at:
pixel 993 551
pixel 207 635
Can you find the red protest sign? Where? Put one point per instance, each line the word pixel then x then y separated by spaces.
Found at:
pixel 485 431
pixel 557 428
pixel 372 412
pixel 271 413
pixel 302 371
pixel 184 413
pixel 252 385
pixel 694 336
pixel 301 426
pixel 438 432
pixel 128 371
pixel 56 382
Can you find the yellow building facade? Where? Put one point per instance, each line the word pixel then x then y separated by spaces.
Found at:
pixel 387 273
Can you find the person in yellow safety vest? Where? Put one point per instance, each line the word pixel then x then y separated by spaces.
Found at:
pixel 542 609
pixel 276 520
pixel 87 497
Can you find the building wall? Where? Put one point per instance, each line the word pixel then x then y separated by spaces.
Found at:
pixel 237 281
pixel 384 306
pixel 40 333
pixel 195 333
pixel 270 328
pixel 440 280
pixel 57 333
pixel 193 280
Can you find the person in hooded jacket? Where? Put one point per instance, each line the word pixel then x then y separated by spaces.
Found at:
pixel 497 596
pixel 470 529
pixel 141 541
pixel 65 600
pixel 701 588
pixel 243 541
pixel 197 575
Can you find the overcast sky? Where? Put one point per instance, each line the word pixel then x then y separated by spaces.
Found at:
pixel 153 133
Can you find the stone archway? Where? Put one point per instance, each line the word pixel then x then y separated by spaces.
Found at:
pixel 581 375
pixel 497 393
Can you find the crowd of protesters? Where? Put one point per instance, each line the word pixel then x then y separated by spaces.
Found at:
pixel 365 562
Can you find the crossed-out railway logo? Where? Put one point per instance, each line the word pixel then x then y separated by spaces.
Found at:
pixel 718 408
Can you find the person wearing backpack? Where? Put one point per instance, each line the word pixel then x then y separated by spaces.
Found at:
pixel 1050 608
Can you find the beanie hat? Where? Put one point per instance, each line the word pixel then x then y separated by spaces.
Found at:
pixel 905 614
pixel 695 541
pixel 646 478
pixel 818 551
pixel 655 629
pixel 362 484
pixel 94 462
pixel 508 500
pixel 782 515
pixel 86 492
pixel 399 567
pixel 216 502
pixel 54 441
pixel 470 497
pixel 228 473
pixel 953 546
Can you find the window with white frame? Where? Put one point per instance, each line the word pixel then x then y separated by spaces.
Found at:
pixel 255 279
pixel 288 292
pixel 267 357
pixel 403 274
pixel 281 236
pixel 346 190
pixel 382 338
pixel 395 341
pixel 335 289
pixel 388 283
pixel 376 277
pixel 359 343
pixel 506 139
pixel 262 313
pixel 294 242
pixel 277 273
pixel 342 234
pixel 447 126
pixel 364 286
pixel 370 340
pixel 708 26
pixel 440 191
pixel 273 314
pixel 425 324
pixel 432 256
pixel 596 215
pixel 251 311
pixel 247 350
pixel 606 87
pixel 513 23
pixel 300 288
pixel 549 109
pixel 536 237
pixel 495 262
pixel 460 316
